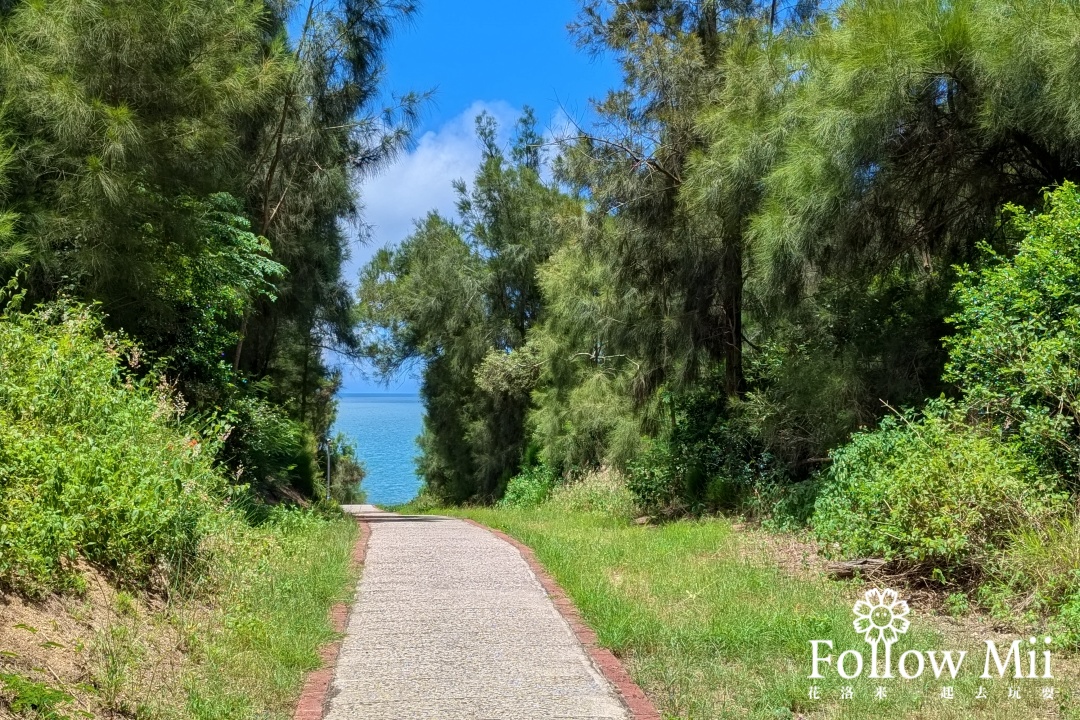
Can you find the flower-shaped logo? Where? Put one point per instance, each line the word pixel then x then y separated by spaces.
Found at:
pixel 881 616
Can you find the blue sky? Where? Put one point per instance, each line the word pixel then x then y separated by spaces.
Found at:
pixel 477 55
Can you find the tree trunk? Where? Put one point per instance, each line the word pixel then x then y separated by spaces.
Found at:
pixel 304 378
pixel 240 341
pixel 731 307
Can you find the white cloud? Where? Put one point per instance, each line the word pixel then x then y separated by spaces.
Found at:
pixel 417 183
pixel 420 180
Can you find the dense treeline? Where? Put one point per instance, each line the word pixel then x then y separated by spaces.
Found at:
pixel 177 190
pixel 189 170
pixel 760 250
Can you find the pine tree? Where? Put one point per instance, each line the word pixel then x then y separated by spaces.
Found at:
pixel 461 297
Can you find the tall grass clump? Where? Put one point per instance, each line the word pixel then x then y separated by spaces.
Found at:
pixel 1038 576
pixel 94 460
pixel 602 492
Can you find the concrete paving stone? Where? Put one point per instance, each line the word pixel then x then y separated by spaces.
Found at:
pixel 451 624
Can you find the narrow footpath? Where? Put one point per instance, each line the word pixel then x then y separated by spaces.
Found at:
pixel 450 623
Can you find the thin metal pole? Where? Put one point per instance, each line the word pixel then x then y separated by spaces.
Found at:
pixel 327 468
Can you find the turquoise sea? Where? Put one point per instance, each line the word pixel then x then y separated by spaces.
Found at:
pixel 384 429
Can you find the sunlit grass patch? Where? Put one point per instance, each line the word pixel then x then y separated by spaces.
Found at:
pixel 274 586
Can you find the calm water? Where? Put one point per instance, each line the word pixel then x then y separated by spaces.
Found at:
pixel 384 428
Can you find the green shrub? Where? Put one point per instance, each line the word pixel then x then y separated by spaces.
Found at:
pixel 932 492
pixel 706 461
pixel 268 448
pixel 603 492
pixel 93 462
pixel 782 506
pixel 820 371
pixel 425 501
pixel 653 478
pixel 529 488
pixel 1016 352
pixel 348 472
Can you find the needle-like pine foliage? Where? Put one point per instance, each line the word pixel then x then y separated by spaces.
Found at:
pixel 192 167
pixel 461 298
pixel 910 125
pixel 777 196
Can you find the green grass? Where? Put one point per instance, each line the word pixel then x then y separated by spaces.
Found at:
pixel 711 628
pixel 273 587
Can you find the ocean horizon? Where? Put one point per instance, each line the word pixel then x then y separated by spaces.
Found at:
pixel 384 428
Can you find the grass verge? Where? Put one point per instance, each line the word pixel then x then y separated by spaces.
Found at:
pixel 711 626
pixel 274 587
pixel 235 646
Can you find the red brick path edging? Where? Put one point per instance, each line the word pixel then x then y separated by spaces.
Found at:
pixel 636 701
pixel 313 698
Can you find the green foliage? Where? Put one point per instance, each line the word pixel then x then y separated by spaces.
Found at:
pixel 654 480
pixel 824 369
pixel 1016 351
pixel 347 473
pixel 676 270
pixel 583 414
pixel 269 447
pixel 587 425
pixel 154 157
pixel 890 133
pixel 602 492
pixel 273 586
pixel 119 116
pixel 529 488
pixel 462 297
pixel 204 290
pixel 93 462
pixel 1036 578
pixel 931 492
pixel 30 696
pixel 704 461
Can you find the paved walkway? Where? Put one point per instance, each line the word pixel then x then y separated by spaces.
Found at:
pixel 451 624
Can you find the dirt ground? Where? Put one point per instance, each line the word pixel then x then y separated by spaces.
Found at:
pixel 109 652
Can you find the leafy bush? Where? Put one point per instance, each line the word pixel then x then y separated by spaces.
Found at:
pixel 654 479
pixel 783 506
pixel 268 448
pixel 1016 353
pixel 529 488
pixel 93 462
pixel 425 501
pixel 603 492
pixel 348 472
pixel 933 492
pixel 706 461
pixel 821 371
